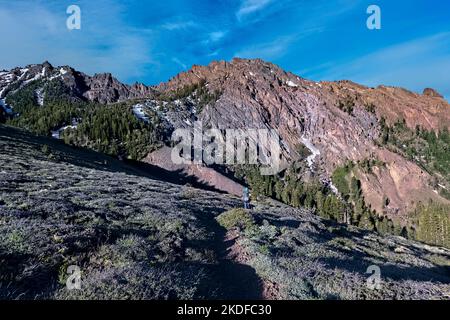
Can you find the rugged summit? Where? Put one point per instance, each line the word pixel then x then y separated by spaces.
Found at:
pixel 337 121
pixel 102 88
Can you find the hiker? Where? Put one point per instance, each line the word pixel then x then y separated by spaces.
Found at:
pixel 246 198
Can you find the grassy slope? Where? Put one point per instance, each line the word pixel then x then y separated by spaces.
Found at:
pixel 141 238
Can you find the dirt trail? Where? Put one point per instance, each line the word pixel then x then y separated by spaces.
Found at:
pixel 230 278
pixel 237 254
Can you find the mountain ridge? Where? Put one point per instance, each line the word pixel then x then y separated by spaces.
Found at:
pixel 111 80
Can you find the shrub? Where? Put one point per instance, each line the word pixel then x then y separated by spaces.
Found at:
pixel 340 179
pixel 370 107
pixel 45 149
pixel 14 242
pixel 2 115
pixel 347 105
pixel 236 218
pixel 303 151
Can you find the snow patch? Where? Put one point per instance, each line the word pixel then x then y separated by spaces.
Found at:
pixel 3 90
pixel 291 84
pixel 54 77
pixel 39 96
pixel 59 74
pixel 6 107
pixel 24 73
pixel 56 134
pixel 36 77
pixel 314 151
pixel 333 187
pixel 139 112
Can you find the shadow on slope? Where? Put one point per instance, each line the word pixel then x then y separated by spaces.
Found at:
pixel 92 159
pixel 228 279
pixel 437 274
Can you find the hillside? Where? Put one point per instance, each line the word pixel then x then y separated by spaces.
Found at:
pixel 376 158
pixel 138 237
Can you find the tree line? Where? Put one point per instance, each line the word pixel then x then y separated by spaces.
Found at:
pixel 111 129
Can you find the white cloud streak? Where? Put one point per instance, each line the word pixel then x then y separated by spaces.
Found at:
pixel 251 6
pixel 33 33
pixel 267 51
pixel 179 25
pixel 415 65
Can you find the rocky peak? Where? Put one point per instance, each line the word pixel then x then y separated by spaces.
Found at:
pixel 47 64
pixel 337 121
pixel 104 80
pixel 431 93
pixel 102 87
pixel 223 73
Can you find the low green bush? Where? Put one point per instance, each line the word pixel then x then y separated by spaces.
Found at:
pixel 236 218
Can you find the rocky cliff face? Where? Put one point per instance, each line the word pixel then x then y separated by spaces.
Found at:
pixel 339 121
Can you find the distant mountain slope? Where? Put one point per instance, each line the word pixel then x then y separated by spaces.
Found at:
pixel 102 88
pixel 340 122
pixel 135 237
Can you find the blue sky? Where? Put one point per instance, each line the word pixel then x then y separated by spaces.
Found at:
pixel 151 41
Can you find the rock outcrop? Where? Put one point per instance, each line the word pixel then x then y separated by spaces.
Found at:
pixel 432 93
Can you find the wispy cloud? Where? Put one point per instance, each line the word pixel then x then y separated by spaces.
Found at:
pixel 251 6
pixel 211 39
pixel 278 47
pixel 414 64
pixel 179 25
pixel 33 33
pixel 180 63
pixel 216 35
pixel 268 50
